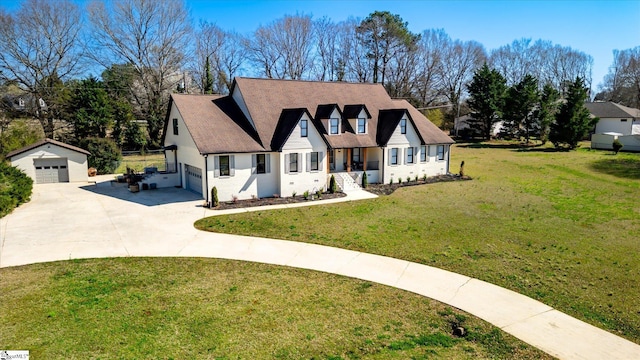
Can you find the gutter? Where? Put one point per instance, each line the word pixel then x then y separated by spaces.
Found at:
pixel 206 177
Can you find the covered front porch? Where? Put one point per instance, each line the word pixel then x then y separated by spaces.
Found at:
pixel 354 162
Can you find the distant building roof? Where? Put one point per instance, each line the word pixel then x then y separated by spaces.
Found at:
pixel 43 142
pixel 610 109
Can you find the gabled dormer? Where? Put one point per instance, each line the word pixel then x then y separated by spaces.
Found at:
pixel 398 123
pixel 330 116
pixel 358 117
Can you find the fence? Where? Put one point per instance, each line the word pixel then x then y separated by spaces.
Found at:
pixel 605 142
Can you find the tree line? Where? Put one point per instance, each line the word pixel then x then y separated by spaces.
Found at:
pixel 525 111
pixel 145 50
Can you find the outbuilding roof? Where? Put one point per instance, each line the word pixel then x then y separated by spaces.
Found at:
pixel 44 142
pixel 610 109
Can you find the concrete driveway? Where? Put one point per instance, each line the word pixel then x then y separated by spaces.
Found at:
pixel 74 221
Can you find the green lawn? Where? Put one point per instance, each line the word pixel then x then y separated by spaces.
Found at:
pixel 173 308
pixel 561 227
pixel 139 162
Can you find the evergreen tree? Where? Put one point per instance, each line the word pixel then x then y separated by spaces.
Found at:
pixel 546 112
pixel 518 114
pixel 208 81
pixel 90 109
pixel 573 122
pixel 486 99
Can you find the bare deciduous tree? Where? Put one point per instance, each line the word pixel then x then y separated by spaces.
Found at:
pixel 428 87
pixel 39 47
pixel 283 49
pixel 458 62
pixel 622 83
pixel 150 35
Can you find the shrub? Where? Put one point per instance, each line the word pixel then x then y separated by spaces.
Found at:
pixel 399 180
pixel 365 181
pixel 319 194
pixel 333 187
pixel 15 188
pixel 408 178
pixel 424 177
pixel 391 181
pixel 214 197
pixel 617 145
pixel 104 154
pixel 305 195
pixel 293 194
pixel 416 178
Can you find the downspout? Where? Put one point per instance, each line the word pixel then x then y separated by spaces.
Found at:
pixel 384 151
pixel 448 159
pixel 206 177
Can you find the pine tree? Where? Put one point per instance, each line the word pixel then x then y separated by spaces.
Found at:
pixel 573 121
pixel 518 112
pixel 208 82
pixel 487 95
pixel 546 112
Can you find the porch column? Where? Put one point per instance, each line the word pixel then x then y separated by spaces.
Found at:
pixel 348 160
pixel 364 159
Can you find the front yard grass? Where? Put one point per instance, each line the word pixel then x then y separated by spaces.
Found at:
pixel 173 308
pixel 560 227
pixel 139 162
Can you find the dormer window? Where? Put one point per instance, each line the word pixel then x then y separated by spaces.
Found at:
pixel 334 126
pixel 362 125
pixel 304 128
pixel 21 102
pixel 403 126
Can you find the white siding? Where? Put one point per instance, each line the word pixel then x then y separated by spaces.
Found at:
pixel 431 167
pixel 244 183
pixel 239 99
pixel 615 125
pixel 304 179
pixel 187 152
pixel 76 162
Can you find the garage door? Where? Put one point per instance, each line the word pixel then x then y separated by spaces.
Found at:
pixel 51 170
pixel 194 179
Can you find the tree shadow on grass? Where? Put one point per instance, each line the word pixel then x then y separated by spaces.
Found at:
pixel 485 145
pixel 620 167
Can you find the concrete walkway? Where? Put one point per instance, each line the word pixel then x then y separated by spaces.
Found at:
pixel 70 221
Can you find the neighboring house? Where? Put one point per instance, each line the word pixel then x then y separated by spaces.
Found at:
pixel 462 127
pixel 50 161
pixel 615 118
pixel 276 137
pixel 615 122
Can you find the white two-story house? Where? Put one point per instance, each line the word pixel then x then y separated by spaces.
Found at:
pixel 279 137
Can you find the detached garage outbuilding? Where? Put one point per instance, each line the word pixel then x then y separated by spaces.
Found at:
pixel 51 161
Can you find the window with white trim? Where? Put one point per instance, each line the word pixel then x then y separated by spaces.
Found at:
pixel 362 125
pixel 423 153
pixel 403 126
pixel 304 128
pixel 440 152
pixel 334 126
pixel 393 156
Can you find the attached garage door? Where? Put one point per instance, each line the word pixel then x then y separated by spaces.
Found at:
pixel 194 179
pixel 51 170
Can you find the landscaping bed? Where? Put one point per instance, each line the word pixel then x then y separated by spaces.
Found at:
pixel 387 189
pixel 239 204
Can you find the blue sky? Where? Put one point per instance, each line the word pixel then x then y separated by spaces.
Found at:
pixel 593 27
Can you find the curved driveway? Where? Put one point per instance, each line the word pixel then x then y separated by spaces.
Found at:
pixel 73 221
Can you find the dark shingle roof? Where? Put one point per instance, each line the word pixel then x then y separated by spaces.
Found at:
pixel 217 124
pixel 611 110
pixel 288 121
pixel 352 111
pixel 43 142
